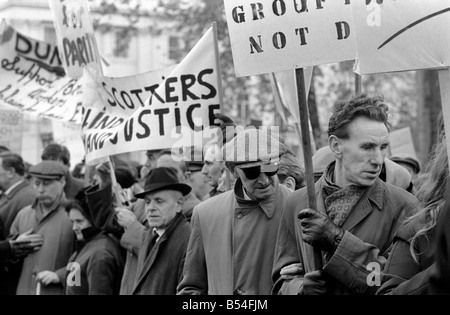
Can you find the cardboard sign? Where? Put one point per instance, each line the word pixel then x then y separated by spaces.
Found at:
pixel 11 122
pixel 32 78
pixel 401 35
pixel 170 109
pixel 75 34
pixel 277 35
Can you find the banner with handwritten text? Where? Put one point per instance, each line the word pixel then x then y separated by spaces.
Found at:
pixel 32 78
pixel 75 34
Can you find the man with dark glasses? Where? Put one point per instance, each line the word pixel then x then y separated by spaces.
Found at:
pixel 232 243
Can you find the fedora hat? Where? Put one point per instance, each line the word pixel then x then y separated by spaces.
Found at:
pixel 163 178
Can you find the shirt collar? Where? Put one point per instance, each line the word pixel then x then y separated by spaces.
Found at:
pixel 246 197
pixel 267 205
pixel 160 232
pixel 10 189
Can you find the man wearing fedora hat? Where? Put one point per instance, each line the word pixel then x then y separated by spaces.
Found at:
pixel 47 217
pixel 232 243
pixel 163 251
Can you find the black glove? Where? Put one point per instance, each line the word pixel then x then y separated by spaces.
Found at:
pixel 319 231
pixel 314 283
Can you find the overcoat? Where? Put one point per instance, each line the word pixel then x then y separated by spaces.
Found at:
pixel 232 244
pixel 56 250
pixel 160 263
pixel 402 275
pixel 369 232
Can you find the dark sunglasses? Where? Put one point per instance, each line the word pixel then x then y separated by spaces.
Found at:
pixel 254 172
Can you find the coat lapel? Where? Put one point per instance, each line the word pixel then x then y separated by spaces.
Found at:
pixel 364 207
pixel 151 252
pixel 5 199
pixel 151 257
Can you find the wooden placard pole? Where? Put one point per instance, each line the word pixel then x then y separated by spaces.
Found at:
pixel 358 84
pixel 219 85
pixel 444 84
pixel 307 155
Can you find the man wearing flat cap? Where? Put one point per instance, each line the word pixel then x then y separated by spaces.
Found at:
pixel 45 217
pixel 232 243
pixel 163 251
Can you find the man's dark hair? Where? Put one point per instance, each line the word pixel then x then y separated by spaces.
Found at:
pixel 55 151
pixel 290 166
pixel 13 160
pixel 344 112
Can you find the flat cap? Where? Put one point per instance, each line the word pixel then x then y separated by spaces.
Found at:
pixel 48 170
pixel 194 166
pixel 253 147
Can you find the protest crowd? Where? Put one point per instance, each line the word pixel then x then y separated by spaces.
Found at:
pixel 230 216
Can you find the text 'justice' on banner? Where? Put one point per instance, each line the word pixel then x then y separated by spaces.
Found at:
pixel 170 108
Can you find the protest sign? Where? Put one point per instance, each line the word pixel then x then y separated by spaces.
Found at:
pixel 75 34
pixel 32 78
pixel 401 35
pixel 11 122
pixel 277 35
pixel 171 109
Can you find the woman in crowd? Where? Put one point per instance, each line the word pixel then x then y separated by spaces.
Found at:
pixel 96 267
pixel 411 261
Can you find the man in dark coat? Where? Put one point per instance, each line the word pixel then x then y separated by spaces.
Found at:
pixel 163 251
pixel 17 194
pixel 356 216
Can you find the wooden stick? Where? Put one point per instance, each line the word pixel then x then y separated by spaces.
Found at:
pixel 307 155
pixel 219 72
pixel 220 88
pixel 444 84
pixel 358 84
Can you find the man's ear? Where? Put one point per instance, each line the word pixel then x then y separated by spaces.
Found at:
pixel 290 182
pixel 187 175
pixel 180 202
pixel 10 173
pixel 336 146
